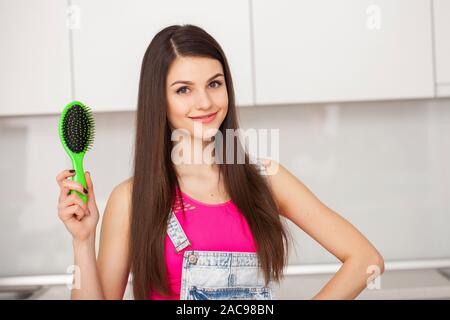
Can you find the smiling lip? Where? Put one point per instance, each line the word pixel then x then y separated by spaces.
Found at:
pixel 206 118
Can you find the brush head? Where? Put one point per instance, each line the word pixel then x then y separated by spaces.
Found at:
pixel 77 128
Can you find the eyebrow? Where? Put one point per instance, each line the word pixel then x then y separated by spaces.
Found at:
pixel 189 82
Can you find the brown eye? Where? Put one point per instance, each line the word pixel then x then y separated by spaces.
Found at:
pixel 180 89
pixel 218 83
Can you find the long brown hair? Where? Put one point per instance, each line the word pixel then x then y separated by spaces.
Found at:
pixel 155 177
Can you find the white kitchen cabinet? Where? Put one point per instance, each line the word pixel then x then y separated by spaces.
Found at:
pixel 326 50
pixel 441 10
pixel 34 57
pixel 114 35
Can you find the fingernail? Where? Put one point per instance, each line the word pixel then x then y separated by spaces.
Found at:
pixel 85 190
pixel 71 171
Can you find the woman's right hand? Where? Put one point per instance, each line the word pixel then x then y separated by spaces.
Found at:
pixel 79 218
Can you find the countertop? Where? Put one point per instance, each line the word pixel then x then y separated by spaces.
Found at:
pixel 399 284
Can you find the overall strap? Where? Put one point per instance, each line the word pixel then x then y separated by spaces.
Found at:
pixel 176 233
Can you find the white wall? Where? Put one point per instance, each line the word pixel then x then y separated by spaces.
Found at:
pixel 382 165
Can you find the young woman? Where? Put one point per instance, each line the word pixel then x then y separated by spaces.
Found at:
pixel 210 230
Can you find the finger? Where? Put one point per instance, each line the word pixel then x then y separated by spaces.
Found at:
pixel 72 185
pixel 90 185
pixel 74 211
pixel 79 212
pixel 64 191
pixel 64 175
pixel 72 200
pixel 66 214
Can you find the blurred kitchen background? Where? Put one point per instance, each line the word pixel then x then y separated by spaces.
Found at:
pixel 359 89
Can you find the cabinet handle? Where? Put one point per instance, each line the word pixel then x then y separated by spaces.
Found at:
pixel 73 17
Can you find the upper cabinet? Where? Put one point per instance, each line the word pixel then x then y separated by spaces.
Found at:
pixel 111 37
pixel 441 10
pixel 325 50
pixel 279 51
pixel 34 57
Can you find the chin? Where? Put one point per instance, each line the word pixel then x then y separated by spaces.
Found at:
pixel 206 135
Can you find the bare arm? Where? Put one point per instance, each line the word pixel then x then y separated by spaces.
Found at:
pixel 105 277
pixel 113 257
pixel 338 236
pixel 90 286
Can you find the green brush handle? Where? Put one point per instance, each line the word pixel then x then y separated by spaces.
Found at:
pixel 77 163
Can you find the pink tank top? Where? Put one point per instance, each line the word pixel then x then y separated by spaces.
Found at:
pixel 209 227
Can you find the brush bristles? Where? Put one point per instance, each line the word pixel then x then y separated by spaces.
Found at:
pixel 78 128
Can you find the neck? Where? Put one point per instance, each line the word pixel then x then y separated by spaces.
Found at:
pixel 196 156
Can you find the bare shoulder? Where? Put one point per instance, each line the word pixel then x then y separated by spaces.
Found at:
pixel 125 187
pixel 117 215
pixel 286 187
pixel 277 177
pixel 271 166
pixel 120 198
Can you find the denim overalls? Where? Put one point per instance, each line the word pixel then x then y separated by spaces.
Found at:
pixel 218 275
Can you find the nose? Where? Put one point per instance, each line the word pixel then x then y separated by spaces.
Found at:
pixel 203 101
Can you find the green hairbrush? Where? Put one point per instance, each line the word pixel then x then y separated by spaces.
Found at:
pixel 76 131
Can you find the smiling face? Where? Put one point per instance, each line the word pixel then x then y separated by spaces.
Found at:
pixel 196 95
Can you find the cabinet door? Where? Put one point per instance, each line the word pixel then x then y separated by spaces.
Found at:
pixel 442 46
pixel 326 50
pixel 114 35
pixel 34 57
